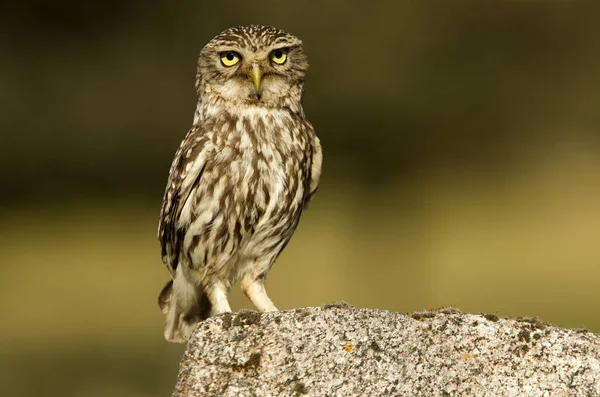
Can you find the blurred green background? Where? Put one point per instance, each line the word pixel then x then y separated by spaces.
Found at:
pixel 462 166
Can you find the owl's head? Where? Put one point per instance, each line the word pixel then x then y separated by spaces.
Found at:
pixel 258 65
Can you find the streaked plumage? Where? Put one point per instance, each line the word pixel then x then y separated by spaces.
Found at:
pixel 240 178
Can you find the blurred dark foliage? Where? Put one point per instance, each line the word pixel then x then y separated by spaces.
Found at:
pixel 51 20
pixel 96 95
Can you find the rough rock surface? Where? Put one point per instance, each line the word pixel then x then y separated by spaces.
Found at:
pixel 338 350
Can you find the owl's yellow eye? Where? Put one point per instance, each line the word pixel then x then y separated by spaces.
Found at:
pixel 230 58
pixel 279 56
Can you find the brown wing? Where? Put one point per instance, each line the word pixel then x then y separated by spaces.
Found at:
pixel 315 170
pixel 185 173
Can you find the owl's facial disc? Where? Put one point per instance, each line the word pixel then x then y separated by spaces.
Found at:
pixel 252 65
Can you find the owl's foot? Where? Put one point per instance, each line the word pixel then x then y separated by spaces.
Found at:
pixel 254 289
pixel 217 295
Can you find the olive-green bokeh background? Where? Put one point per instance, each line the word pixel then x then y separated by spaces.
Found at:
pixel 462 167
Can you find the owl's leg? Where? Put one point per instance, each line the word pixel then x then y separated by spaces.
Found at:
pixel 217 294
pixel 254 289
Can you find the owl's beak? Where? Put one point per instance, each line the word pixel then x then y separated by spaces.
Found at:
pixel 256 75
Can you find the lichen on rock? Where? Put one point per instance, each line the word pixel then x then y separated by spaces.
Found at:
pixel 339 350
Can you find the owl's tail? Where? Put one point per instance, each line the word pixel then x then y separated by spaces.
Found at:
pixel 185 305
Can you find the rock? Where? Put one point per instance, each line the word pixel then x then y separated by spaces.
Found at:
pixel 338 350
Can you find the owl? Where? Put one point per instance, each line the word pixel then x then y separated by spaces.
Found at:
pixel 241 177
